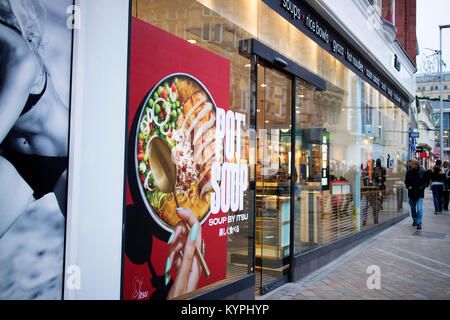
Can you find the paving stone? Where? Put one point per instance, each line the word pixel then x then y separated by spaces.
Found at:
pixel 411 267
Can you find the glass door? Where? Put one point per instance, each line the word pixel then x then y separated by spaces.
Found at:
pixel 273 169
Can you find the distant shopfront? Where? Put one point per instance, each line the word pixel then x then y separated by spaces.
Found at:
pixel 425 156
pixel 311 151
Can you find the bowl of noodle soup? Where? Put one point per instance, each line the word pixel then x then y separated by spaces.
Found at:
pixel 181 111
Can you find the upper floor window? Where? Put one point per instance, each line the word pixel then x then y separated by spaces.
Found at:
pixel 386 8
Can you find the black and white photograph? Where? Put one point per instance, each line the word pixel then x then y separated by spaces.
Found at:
pixel 35 64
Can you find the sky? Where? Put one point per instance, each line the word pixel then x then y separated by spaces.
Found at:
pixel 431 14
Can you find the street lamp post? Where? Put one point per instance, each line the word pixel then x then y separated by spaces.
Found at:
pixel 441 91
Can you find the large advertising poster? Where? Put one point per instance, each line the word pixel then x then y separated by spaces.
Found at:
pixel 35 63
pixel 175 227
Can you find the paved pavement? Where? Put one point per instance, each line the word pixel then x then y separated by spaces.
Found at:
pixel 410 266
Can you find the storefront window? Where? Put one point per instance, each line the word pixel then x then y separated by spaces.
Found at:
pixel 308 167
pixel 326 139
pixel 366 159
pixel 384 160
pixel 340 153
pixel 273 187
pixel 209 28
pixel 285 38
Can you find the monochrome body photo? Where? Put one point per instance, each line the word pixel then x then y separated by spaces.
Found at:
pixel 35 62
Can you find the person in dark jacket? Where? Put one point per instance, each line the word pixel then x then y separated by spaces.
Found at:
pixel 446 185
pixel 416 181
pixel 437 186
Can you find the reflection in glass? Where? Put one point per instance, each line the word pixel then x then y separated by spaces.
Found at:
pixel 218 26
pixel 273 176
pixel 366 134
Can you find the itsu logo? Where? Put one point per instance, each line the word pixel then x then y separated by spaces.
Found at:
pixel 232 175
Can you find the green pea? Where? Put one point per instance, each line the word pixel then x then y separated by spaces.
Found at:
pixel 166 85
pixel 157 109
pixel 155 95
pixel 175 80
pixel 149 195
pixel 173 125
pixel 177 103
pixel 150 102
pixel 174 114
pixel 179 111
pixel 166 126
pixel 160 90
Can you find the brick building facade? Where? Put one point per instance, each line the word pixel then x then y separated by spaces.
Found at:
pixel 405 22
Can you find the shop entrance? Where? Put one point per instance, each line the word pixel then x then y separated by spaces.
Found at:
pixel 280 88
pixel 273 183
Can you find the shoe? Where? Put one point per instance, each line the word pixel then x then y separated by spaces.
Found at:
pixel 436 212
pixel 419 227
pixel 414 224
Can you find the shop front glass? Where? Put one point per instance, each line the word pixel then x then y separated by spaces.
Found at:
pixel 212 28
pixel 340 153
pixel 273 169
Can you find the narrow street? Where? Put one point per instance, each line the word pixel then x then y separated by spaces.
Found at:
pixel 412 265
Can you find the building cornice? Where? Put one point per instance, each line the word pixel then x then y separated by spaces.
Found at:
pixel 365 9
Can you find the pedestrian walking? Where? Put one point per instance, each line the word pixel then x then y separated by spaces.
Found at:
pixel 446 185
pixel 416 181
pixel 437 179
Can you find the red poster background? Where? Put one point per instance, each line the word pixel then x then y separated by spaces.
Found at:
pixel 156 54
